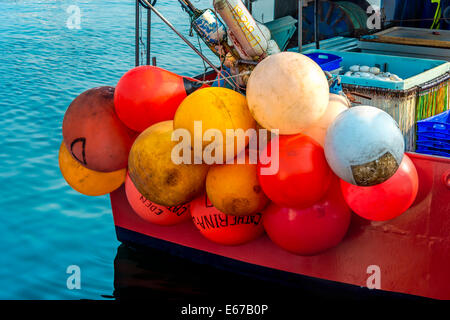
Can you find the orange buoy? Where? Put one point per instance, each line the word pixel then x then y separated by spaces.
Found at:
pixel 93 133
pixel 234 189
pixel 223 228
pixel 86 181
pixel 147 95
pixel 215 111
pixel 152 212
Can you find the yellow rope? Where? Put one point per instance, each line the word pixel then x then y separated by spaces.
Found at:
pixel 437 21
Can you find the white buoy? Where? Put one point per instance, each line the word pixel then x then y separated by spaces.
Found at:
pixel 375 70
pixel 318 130
pixel 287 91
pixel 273 48
pixel 366 75
pixel 364 146
pixel 364 69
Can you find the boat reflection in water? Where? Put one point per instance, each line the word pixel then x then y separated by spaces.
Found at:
pixel 145 273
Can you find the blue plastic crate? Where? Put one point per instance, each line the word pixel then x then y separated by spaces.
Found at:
pixel 432 151
pixel 437 127
pixel 327 61
pixel 445 147
pixel 433 142
pixel 435 136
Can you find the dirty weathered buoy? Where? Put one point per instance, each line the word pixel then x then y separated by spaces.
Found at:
pixel 364 146
pixel 93 133
pixel 154 173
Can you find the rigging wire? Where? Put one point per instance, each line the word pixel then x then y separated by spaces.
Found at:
pixel 141 42
pixel 227 77
pixel 171 26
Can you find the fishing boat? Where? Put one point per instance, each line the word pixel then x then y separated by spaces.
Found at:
pixel 409 254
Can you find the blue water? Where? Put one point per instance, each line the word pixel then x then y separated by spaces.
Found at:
pixel 45 226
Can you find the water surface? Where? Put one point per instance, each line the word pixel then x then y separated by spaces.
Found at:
pixel 45 226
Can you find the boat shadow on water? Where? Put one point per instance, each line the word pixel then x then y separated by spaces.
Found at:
pixel 145 273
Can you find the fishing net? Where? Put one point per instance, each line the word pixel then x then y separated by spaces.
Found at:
pixel 407 106
pixel 399 104
pixel 433 98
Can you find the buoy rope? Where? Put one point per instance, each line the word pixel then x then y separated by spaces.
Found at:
pixel 223 77
pixel 332 80
pixel 205 68
pixel 222 58
pixel 142 47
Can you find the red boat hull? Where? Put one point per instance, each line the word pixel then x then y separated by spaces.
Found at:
pixel 411 251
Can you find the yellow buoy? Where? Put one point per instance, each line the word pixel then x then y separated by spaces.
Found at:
pixel 218 109
pixel 87 181
pixel 156 175
pixel 287 91
pixel 234 189
pixel 318 130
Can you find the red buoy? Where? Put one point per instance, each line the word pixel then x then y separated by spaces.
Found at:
pixel 387 200
pixel 93 133
pixel 303 177
pixel 147 95
pixel 312 230
pixel 152 212
pixel 223 228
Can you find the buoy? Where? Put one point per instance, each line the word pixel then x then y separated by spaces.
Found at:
pixel 312 230
pixel 303 175
pixel 318 130
pixel 86 181
pixel 234 189
pixel 223 228
pixel 387 200
pixel 93 133
pixel 147 95
pixel 154 173
pixel 215 110
pixel 246 35
pixel 152 212
pixel 287 91
pixel 364 146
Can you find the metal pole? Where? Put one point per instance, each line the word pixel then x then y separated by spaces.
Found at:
pixel 149 28
pixel 137 35
pixel 170 25
pixel 300 25
pixel 316 24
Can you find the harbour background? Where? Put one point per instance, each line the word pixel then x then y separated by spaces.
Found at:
pixel 45 226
